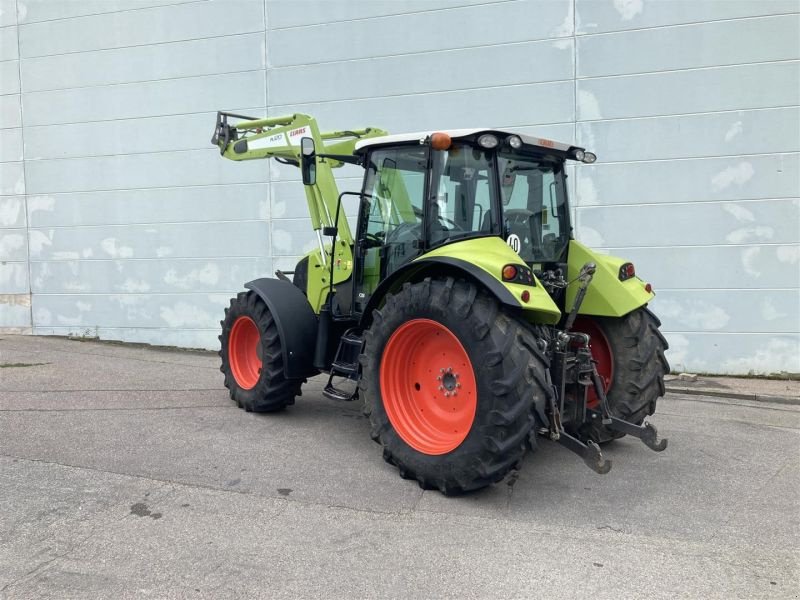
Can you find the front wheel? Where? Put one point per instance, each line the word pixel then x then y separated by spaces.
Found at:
pixel 449 381
pixel 629 355
pixel 252 359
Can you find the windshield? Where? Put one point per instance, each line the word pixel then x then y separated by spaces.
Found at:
pixel 462 195
pixel 535 218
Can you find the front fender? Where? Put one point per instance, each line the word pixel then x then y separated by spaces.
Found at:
pixel 296 323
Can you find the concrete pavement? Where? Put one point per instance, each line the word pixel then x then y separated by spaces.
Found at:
pixel 127 472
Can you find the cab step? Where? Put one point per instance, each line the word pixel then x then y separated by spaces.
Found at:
pixel 345 366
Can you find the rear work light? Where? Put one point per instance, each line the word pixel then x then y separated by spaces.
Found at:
pixel 626 271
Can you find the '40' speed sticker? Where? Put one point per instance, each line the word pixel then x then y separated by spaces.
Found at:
pixel 513 241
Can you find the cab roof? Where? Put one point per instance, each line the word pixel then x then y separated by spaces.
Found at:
pixel 455 134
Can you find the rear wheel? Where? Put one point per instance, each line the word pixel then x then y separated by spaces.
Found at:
pixel 252 359
pixel 449 381
pixel 629 355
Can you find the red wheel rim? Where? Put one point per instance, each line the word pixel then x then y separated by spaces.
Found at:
pixel 243 344
pixel 601 353
pixel 428 387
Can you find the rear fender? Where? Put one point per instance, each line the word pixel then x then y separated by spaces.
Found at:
pixel 539 309
pixel 606 296
pixel 296 323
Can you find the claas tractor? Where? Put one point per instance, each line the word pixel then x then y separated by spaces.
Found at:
pixel 462 311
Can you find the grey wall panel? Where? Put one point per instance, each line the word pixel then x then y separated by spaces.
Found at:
pixel 703 45
pixel 506 64
pixel 154 98
pixel 755 354
pixel 12 211
pixel 15 313
pixel 699 90
pixel 730 311
pixel 435 30
pixel 142 63
pixel 190 168
pixel 8 43
pixel 125 136
pixel 9 77
pixel 717 267
pixel 10 145
pixel 10 113
pixel 693 180
pixel 718 134
pixel 292 237
pixel 184 240
pixel 141 27
pixel 313 12
pixel 181 311
pixel 14 278
pixel 289 198
pixel 13 245
pixel 50 10
pixel 233 202
pixel 597 17
pixel 8 12
pixel 159 276
pixel 503 106
pixel 12 178
pixel 736 223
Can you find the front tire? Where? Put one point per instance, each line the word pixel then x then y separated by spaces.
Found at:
pixel 630 358
pixel 449 381
pixel 252 358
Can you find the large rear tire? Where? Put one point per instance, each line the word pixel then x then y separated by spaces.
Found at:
pixel 630 358
pixel 448 382
pixel 252 359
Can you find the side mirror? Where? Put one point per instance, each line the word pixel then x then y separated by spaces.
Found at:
pixel 308 161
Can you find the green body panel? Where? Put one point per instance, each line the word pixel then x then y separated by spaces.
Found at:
pixel 491 254
pixel 319 274
pixel 607 296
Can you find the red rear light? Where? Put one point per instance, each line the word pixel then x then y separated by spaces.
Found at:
pixel 526 296
pixel 626 271
pixel 648 288
pixel 509 273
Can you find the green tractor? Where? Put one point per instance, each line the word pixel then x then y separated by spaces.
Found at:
pixel 462 312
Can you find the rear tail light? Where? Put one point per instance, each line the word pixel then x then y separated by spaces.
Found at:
pixel 648 288
pixel 626 271
pixel 518 274
pixel 509 273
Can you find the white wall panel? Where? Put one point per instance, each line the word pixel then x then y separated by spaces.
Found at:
pixel 689 180
pixel 157 240
pixel 695 91
pixel 504 106
pixel 729 311
pixel 709 223
pixel 190 168
pixel 8 43
pixel 734 353
pixel 12 178
pixel 173 23
pixel 691 46
pixel 507 64
pixel 50 10
pixel 9 77
pixel 12 211
pixel 232 202
pixel 421 32
pixel 124 101
pixel 597 16
pixel 158 276
pixel 10 145
pixel 8 12
pixel 13 245
pixel 716 267
pixel 143 63
pixel 717 134
pixel 14 278
pixel 314 12
pixel 10 114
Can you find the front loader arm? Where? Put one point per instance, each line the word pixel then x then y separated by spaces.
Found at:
pixel 279 138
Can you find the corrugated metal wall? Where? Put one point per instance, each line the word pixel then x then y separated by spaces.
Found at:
pixel 118 218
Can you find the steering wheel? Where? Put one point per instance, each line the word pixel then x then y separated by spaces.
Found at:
pixel 518 216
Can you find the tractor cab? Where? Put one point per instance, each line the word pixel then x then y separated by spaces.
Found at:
pixel 426 190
